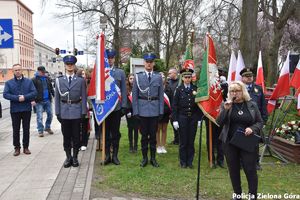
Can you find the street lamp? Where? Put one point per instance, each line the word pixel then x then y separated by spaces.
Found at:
pixel 86 49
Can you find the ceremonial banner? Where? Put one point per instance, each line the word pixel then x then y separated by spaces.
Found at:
pixel 295 80
pixel 106 82
pixel 282 88
pixel 209 95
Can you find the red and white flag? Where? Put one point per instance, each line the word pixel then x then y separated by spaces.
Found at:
pixel 240 65
pixel 282 88
pixel 97 84
pixel 232 68
pixel 260 80
pixel 295 80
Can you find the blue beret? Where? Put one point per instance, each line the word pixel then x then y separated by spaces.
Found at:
pixel 110 53
pixel 69 59
pixel 149 56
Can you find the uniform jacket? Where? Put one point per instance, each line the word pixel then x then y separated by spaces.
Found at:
pixel 257 95
pixel 77 91
pixel 120 79
pixel 39 87
pixel 224 120
pixel 143 89
pixel 184 102
pixel 13 88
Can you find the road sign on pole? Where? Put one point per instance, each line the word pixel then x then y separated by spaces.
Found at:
pixel 6 33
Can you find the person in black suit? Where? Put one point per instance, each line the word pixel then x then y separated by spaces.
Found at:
pixel 239 112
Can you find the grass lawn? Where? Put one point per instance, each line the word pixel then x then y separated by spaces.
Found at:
pixel 170 181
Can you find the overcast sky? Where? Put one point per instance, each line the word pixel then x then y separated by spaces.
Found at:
pixel 56 33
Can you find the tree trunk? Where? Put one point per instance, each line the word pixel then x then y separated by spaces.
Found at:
pixel 248 34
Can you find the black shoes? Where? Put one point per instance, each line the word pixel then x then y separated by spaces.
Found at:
pixel 144 162
pixel 107 159
pixel 68 162
pixel 221 164
pixel 75 162
pixel 115 160
pixel 154 163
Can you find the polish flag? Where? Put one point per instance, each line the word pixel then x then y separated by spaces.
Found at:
pixel 239 66
pixel 232 67
pixel 295 80
pixel 282 88
pixel 260 73
pixel 298 103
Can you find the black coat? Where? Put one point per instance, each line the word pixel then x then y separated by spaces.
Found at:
pixel 39 87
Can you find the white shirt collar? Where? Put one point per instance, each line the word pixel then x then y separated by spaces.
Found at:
pixel 151 73
pixel 189 85
pixel 70 75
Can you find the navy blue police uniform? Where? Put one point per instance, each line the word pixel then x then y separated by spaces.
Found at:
pixel 148 106
pixel 187 113
pixel 70 108
pixel 113 120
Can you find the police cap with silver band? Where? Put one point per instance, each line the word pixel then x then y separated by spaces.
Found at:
pixel 246 72
pixel 186 71
pixel 70 59
pixel 149 56
pixel 111 53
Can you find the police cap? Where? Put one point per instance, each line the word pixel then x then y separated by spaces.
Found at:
pixel 186 71
pixel 246 72
pixel 149 56
pixel 70 59
pixel 111 53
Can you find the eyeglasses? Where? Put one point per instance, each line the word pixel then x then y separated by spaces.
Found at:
pixel 235 91
pixel 187 77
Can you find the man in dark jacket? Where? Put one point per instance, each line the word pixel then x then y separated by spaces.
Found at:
pixel 20 91
pixel 43 100
pixel 170 89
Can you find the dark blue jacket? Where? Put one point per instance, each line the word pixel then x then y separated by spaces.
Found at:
pixel 13 88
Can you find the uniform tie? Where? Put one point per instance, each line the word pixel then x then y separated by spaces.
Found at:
pixel 70 80
pixel 149 76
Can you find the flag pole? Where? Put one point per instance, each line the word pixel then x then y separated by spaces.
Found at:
pixel 199 159
pixel 103 143
pixel 210 144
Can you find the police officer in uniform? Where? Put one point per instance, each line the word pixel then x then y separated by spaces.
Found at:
pixel 70 108
pixel 257 95
pixel 148 106
pixel 186 114
pixel 112 122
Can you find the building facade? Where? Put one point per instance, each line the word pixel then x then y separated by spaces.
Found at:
pixel 23 51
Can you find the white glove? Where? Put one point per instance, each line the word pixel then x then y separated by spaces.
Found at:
pixel 199 123
pixel 129 114
pixel 175 125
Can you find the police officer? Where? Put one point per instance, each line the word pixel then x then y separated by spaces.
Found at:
pixel 112 122
pixel 186 114
pixel 70 108
pixel 257 95
pixel 148 106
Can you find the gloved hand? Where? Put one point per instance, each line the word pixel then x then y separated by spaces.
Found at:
pixel 175 125
pixel 58 118
pixel 160 117
pixel 199 123
pixel 129 114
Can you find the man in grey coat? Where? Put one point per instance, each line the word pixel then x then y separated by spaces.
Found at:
pixel 70 108
pixel 113 120
pixel 148 106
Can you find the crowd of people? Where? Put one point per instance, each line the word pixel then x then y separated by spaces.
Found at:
pixel 149 101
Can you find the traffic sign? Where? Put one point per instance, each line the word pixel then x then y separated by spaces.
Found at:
pixel 62 51
pixel 80 52
pixel 6 33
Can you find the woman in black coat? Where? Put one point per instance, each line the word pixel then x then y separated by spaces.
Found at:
pixel 239 114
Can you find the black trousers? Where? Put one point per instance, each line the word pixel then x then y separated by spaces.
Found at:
pixel 16 119
pixel 148 128
pixel 112 129
pixel 187 133
pixel 233 156
pixel 133 131
pixel 71 133
pixel 84 134
pixel 217 147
